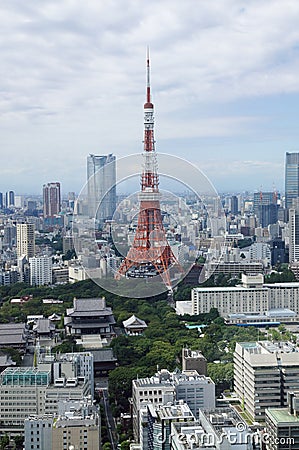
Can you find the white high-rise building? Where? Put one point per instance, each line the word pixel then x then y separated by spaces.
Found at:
pixel 40 270
pixel 101 187
pixel 25 240
pixel 294 235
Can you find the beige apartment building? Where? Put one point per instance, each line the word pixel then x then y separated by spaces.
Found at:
pixel 79 432
pixel 25 240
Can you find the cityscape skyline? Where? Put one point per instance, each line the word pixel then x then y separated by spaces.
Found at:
pixel 225 88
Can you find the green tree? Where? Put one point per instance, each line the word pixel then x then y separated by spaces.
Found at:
pixel 161 354
pixel 68 346
pixel 222 375
pixel 125 445
pixel 120 385
pixel 19 441
pixel 4 441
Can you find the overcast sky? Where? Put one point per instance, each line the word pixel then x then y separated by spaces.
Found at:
pixel 225 84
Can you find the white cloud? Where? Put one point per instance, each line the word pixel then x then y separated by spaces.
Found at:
pixel 73 75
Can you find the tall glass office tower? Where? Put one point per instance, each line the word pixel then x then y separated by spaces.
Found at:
pixel 101 179
pixel 291 178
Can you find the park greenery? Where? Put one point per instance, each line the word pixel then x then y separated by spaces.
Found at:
pixel 161 344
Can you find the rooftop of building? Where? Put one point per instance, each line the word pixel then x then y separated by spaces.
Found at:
pixel 210 423
pixel 24 376
pixel 12 339
pixel 282 416
pixel 279 312
pixel 83 304
pixel 249 286
pixel 226 416
pixel 293 284
pixel 37 418
pixel 273 355
pixel 166 378
pixel 192 375
pixel 172 411
pixel 187 428
pixel 6 328
pixel 49 358
pixel 74 383
pixel 104 354
pixel 75 421
pixel 193 354
pixel 89 307
pixel 134 322
pixel 238 288
pixel 221 419
pixel 43 326
pixel 267 347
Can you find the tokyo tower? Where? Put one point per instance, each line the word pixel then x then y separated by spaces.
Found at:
pixel 150 253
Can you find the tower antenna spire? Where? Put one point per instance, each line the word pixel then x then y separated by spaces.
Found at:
pixel 148 81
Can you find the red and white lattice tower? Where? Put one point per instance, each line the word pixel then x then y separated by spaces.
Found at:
pixel 150 252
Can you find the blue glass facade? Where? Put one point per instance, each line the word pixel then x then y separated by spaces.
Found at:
pixel 291 178
pixel 101 179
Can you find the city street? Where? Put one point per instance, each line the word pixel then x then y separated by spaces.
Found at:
pixel 109 420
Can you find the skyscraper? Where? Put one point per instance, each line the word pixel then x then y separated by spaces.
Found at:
pixel 265 207
pixel 294 232
pixel 101 178
pixel 291 178
pixel 52 199
pixel 10 199
pixel 25 240
pixel 234 205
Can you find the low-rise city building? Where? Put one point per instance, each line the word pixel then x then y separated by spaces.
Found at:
pixel 26 391
pixel 282 425
pixel 220 429
pixel 76 424
pixel 251 296
pixel 196 390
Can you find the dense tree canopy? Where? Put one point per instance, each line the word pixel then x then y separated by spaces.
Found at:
pixel 161 344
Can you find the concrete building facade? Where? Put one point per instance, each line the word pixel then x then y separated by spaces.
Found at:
pixel 194 360
pixel 27 391
pixel 263 374
pixel 196 390
pixel 40 270
pixel 252 296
